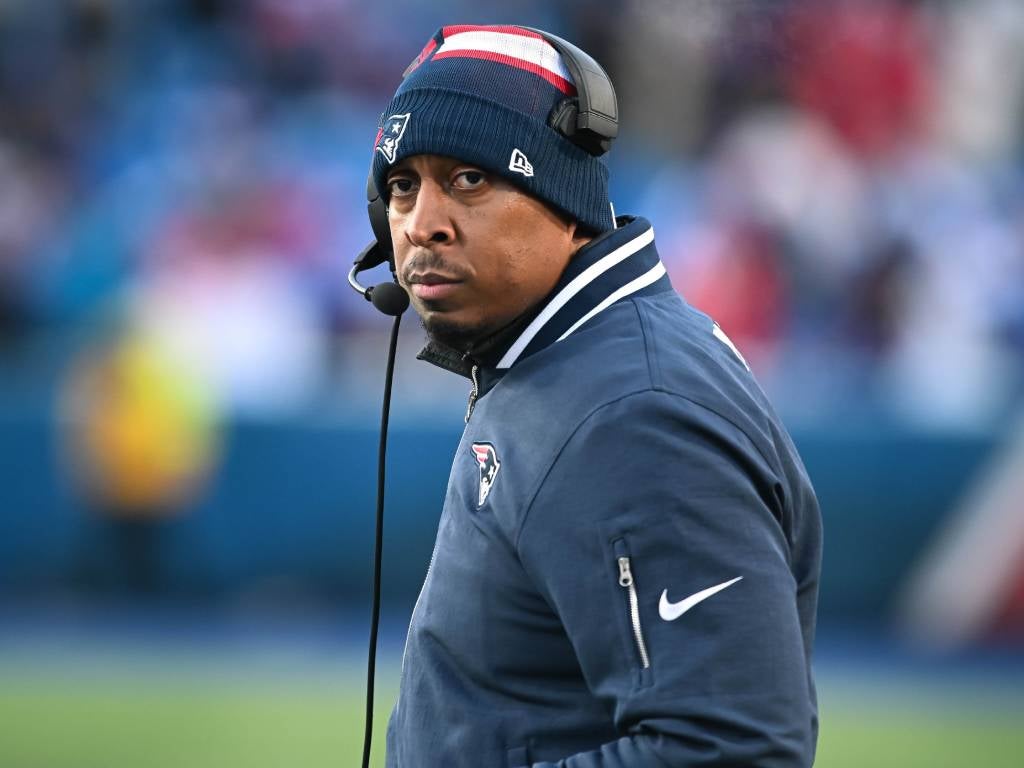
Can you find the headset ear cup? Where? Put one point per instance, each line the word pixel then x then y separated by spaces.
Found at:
pixel 563 116
pixel 596 118
pixel 377 210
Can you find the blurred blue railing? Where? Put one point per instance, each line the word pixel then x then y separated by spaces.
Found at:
pixel 290 511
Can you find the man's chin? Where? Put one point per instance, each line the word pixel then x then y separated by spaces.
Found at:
pixel 451 333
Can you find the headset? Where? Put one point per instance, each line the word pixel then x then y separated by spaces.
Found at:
pixel 589 120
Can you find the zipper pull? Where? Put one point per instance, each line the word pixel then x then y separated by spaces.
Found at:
pixel 625 574
pixel 473 392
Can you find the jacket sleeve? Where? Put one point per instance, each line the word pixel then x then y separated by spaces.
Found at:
pixel 690 677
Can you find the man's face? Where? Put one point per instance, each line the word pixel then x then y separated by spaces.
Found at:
pixel 472 250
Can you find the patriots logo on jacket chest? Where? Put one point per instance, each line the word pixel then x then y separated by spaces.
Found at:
pixel 487 459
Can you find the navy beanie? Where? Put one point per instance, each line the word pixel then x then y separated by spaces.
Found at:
pixel 483 95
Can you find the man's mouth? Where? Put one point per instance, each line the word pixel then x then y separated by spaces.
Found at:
pixel 431 286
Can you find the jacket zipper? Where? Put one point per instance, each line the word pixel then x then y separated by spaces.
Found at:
pixel 627 583
pixel 473 393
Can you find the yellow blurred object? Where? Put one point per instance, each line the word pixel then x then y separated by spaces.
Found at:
pixel 144 435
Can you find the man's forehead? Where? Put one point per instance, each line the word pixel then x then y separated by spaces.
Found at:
pixel 429 162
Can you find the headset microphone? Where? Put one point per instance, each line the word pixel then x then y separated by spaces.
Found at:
pixel 389 298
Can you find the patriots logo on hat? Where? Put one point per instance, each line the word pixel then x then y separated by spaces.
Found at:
pixel 489 466
pixel 390 134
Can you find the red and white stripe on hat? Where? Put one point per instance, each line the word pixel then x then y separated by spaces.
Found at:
pixel 514 46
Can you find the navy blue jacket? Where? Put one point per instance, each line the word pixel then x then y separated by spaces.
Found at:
pixel 626 565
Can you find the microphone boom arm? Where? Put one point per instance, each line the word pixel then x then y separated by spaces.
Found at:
pixel 389 298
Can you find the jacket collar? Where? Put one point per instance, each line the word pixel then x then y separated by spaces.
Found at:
pixel 619 263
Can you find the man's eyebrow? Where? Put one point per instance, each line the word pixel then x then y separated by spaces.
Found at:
pixel 400 167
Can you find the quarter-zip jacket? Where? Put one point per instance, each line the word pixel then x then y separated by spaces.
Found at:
pixel 626 565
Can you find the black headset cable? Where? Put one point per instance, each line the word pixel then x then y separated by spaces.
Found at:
pixel 378 545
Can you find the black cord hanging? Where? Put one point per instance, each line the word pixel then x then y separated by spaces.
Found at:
pixel 378 546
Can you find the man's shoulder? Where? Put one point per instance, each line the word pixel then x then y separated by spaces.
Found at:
pixel 691 355
pixel 656 342
pixel 654 351
pixel 602 361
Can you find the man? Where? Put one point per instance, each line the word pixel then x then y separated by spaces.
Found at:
pixel 626 565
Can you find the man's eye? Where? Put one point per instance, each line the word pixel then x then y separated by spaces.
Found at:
pixel 399 187
pixel 470 179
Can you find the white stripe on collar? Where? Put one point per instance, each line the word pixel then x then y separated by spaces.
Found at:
pixel 580 282
pixel 650 276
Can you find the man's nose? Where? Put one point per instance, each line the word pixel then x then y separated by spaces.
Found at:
pixel 429 222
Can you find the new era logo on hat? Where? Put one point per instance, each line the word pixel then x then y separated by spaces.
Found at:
pixel 520 164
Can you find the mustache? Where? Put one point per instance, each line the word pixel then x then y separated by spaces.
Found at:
pixel 429 261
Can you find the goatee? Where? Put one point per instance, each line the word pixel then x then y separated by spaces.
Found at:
pixel 453 335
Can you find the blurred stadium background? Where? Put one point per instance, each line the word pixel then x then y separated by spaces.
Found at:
pixel 189 389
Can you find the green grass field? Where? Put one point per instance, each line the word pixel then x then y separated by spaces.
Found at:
pixel 198 716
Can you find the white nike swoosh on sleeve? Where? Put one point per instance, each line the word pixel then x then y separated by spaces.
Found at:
pixel 672 611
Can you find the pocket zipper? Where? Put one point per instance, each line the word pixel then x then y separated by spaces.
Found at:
pixel 627 583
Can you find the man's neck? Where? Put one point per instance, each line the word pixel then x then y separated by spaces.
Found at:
pixel 485 351
pixel 491 352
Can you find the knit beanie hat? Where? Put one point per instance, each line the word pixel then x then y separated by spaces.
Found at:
pixel 483 95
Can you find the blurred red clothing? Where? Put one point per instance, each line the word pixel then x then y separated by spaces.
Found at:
pixel 866 68
pixel 738 280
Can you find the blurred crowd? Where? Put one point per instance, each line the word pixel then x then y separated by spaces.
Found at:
pixel 839 182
